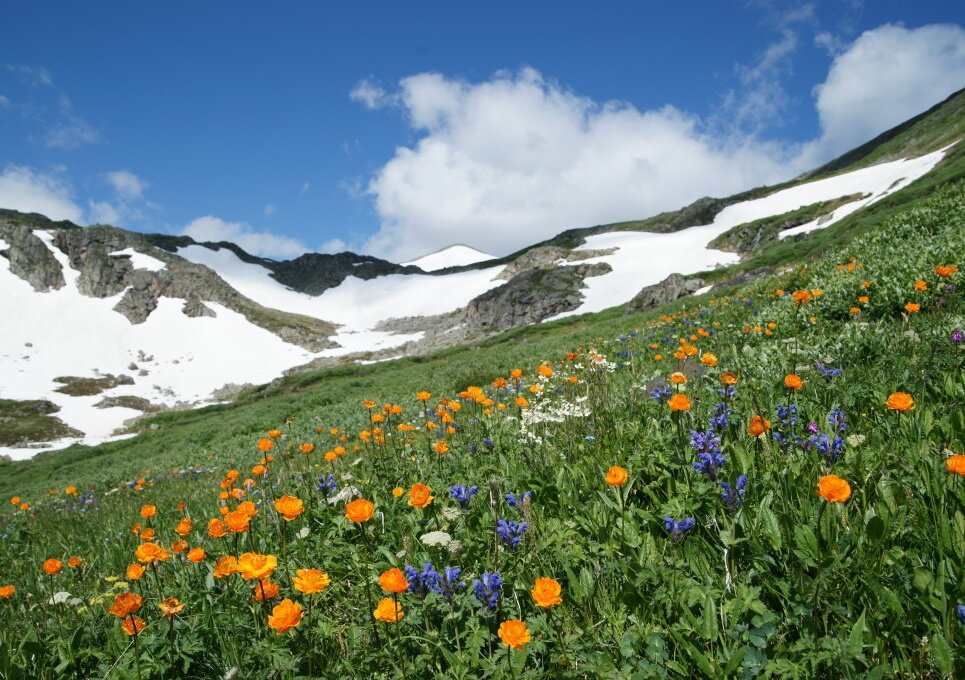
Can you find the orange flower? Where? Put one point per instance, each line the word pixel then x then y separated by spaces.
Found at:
pixel 196 555
pixel 514 634
pixel 679 402
pixel 265 590
pixel 441 447
pixel 516 373
pixel 423 396
pixel 289 507
pixel 258 470
pixel 125 604
pixel 274 434
pixel 148 534
pixel 256 566
pixel 900 401
pixel 912 307
pixel 956 464
pixel 237 521
pixel 170 607
pixel 285 616
pixel 306 447
pixel 151 552
pixel 74 562
pixel 793 382
pixel 388 611
pixel 359 510
pixel 393 581
pixel 419 496
pixel 546 593
pixel 184 526
pixel 133 625
pixel 616 476
pixel 946 271
pixel 310 581
pixel 15 500
pixel 522 402
pixel 758 426
pixel 265 445
pixel 6 592
pixel 801 296
pixel 134 572
pixel 921 285
pixel 53 566
pixel 728 378
pixel 71 491
pixel 148 511
pixel 216 528
pixel 833 489
pixel 678 378
pixel 398 491
pixel 225 566
pixel 545 371
pixel 863 299
pixel 179 546
pixel 248 508
pixel 708 359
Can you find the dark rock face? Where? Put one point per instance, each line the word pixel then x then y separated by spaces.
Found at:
pixel 747 277
pixel 314 273
pixel 673 287
pixel 194 308
pixel 30 258
pixel 532 296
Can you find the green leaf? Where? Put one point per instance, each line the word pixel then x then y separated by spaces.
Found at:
pixel 855 639
pixel 771 528
pixel 875 529
pixel 942 653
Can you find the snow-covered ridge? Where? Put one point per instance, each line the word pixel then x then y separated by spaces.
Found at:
pixel 453 256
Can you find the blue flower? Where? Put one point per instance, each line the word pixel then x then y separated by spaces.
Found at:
pixel 448 584
pixel 678 528
pixel 327 484
pixel 421 582
pixel 734 496
pixel 514 501
pixel 487 589
pixel 511 532
pixel 709 458
pixel 720 420
pixel 827 372
pixel 462 495
pixel 838 420
pixel 960 610
pixel 488 443
pixel 661 393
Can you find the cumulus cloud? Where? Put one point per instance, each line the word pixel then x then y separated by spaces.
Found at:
pixel 265 244
pixel 369 94
pixel 27 190
pixel 883 78
pixel 516 159
pixel 126 184
pixel 335 245
pixel 73 133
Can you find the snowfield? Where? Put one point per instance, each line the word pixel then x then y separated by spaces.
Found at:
pixel 454 256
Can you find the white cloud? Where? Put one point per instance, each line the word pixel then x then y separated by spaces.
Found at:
pixel 103 212
pixel 335 245
pixel 370 94
pixel 883 78
pixel 126 184
pixel 73 133
pixel 27 190
pixel 269 210
pixel 210 228
pixel 516 159
pixel 507 162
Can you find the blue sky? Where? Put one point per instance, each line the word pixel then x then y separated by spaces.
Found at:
pixel 398 128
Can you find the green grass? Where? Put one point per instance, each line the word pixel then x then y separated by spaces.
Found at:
pixel 784 584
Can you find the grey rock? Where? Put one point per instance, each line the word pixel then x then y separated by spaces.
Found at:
pixel 194 308
pixel 29 257
pixel 673 287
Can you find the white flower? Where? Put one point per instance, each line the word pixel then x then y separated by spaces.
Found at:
pixel 59 597
pixel 451 513
pixel 344 495
pixel 303 532
pixel 855 440
pixel 436 538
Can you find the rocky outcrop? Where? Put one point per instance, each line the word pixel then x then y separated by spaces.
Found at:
pixel 746 277
pixel 314 273
pixel 23 423
pixel 673 287
pixel 29 257
pixel 194 308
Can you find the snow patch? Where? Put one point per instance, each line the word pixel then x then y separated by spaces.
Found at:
pixel 454 256
pixel 142 261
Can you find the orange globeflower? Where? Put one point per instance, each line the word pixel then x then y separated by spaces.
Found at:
pixel 170 607
pixel 393 581
pixel 225 566
pixel 274 434
pixel 419 496
pixel 248 508
pixel 7 591
pixel 921 285
pixel 71 491
pixel 237 521
pixel 956 464
pixel 708 359
pixel 125 604
pixel 53 566
pixel 900 401
pixel 289 507
pixel 359 510
pixel 516 373
pixel 678 378
pixel 15 500
pixel 912 307
pixel 24 506
pixel 616 476
pixel 148 511
pixel 74 562
pixel 151 552
pixel 441 447
pixel 793 382
pixel 256 566
pixel 679 402
pixel 946 271
pixel 310 581
pixel 833 489
pixel 179 546
pixel 545 371
pixel 147 535
pixel 134 572
pixel 546 593
pixel 133 625
pixel 863 299
pixel 514 633
pixel 388 611
pixel 257 470
pixel 265 590
pixel 196 555
pixel 184 526
pixel 758 426
pixel 801 296
pixel 216 528
pixel 398 491
pixel 265 445
pixel 423 396
pixel 285 616
pixel 306 447
pixel 728 378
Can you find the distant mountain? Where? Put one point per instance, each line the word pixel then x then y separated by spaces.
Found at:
pixel 105 324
